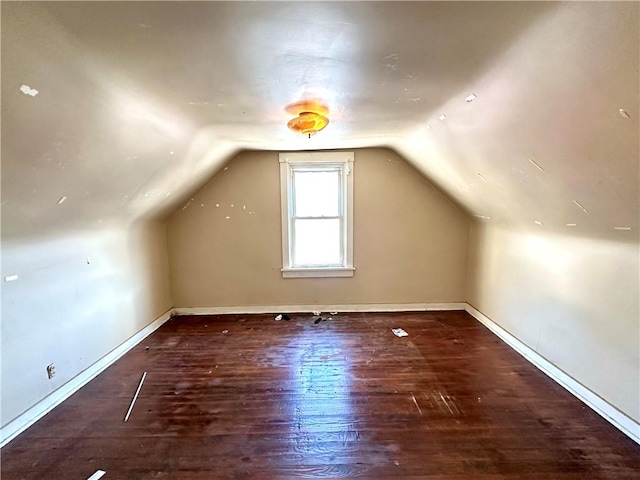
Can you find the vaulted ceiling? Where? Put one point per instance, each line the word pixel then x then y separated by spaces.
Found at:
pixel 139 103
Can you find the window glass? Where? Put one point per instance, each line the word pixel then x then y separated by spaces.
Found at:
pixel 317 242
pixel 316 193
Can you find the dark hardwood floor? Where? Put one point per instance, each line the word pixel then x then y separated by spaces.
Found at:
pixel 341 398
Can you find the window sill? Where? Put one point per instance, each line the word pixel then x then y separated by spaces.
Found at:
pixel 318 272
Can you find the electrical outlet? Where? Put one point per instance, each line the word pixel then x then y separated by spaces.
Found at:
pixel 51 370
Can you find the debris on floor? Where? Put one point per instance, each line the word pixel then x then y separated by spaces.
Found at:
pixel 317 314
pixel 126 418
pixel 286 317
pixel 278 318
pixel 225 331
pixel 399 332
pixel 416 403
pixel 319 319
pixel 147 347
pixel 333 313
pixel 97 475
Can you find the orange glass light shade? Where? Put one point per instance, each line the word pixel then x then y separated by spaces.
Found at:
pixel 308 123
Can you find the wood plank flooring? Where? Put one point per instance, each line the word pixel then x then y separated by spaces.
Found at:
pixel 246 397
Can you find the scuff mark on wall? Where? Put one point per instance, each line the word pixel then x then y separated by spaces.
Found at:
pixel 392 61
pixel 581 206
pixel 187 204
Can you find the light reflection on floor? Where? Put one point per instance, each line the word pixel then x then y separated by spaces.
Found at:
pixel 320 376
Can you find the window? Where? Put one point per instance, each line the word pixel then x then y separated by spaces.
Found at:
pixel 317 214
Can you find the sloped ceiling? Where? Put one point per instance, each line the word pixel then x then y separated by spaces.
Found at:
pixel 138 104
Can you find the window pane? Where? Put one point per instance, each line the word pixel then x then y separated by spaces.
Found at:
pixel 317 242
pixel 316 193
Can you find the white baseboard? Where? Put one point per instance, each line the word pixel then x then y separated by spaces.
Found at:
pixel 361 307
pixel 624 423
pixel 621 421
pixel 35 413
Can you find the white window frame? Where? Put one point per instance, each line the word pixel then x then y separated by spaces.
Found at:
pixel 288 163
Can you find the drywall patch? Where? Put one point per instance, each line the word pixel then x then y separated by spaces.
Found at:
pixel 10 278
pixel 27 90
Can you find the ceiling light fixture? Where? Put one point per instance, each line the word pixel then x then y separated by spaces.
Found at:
pixel 311 116
pixel 471 97
pixel 442 117
pixel 308 123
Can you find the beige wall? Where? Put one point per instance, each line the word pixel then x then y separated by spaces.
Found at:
pixel 410 242
pixel 573 300
pixel 78 296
